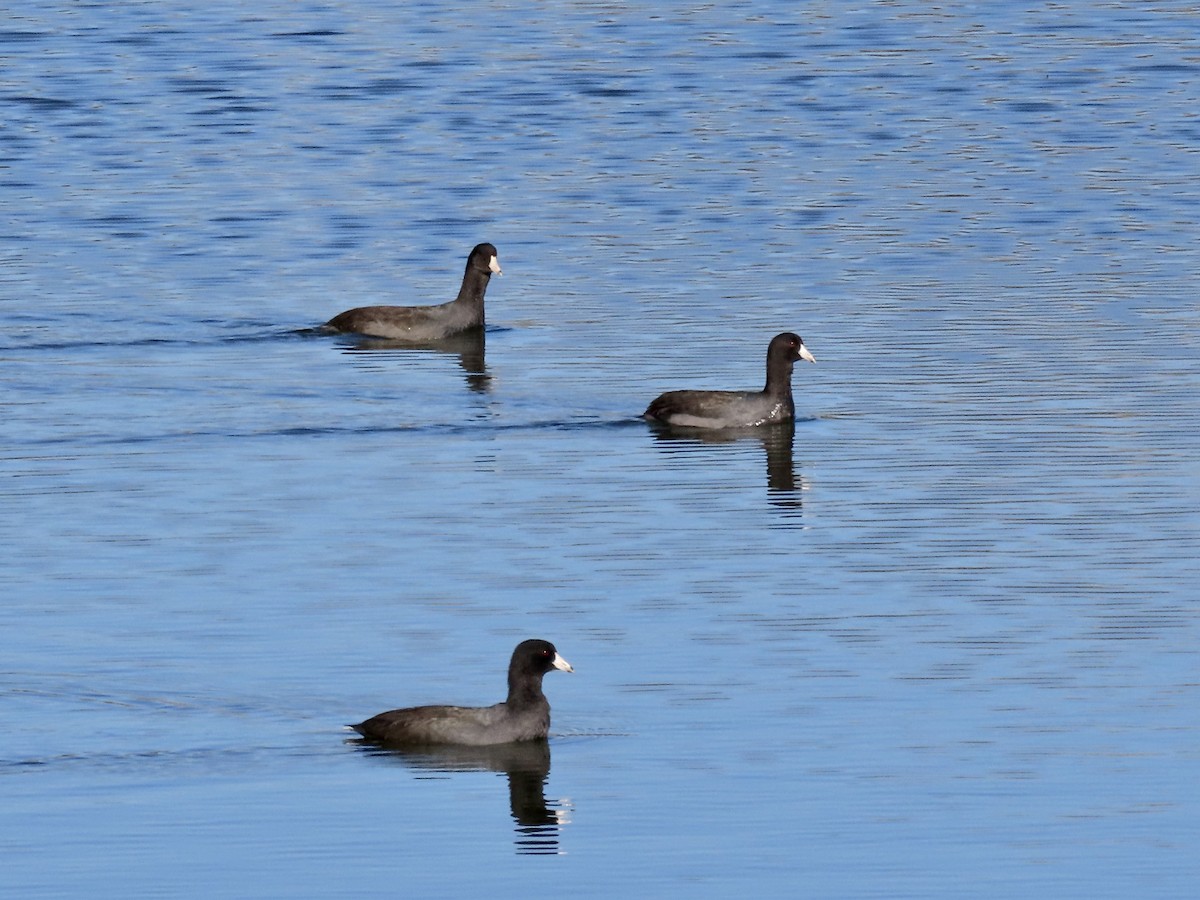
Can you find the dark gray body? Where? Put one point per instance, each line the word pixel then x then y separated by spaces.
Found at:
pixel 466 725
pixel 721 409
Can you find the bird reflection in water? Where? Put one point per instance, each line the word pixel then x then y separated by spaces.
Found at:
pixel 784 487
pixel 527 765
pixel 468 347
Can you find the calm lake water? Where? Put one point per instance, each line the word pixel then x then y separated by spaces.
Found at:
pixel 942 641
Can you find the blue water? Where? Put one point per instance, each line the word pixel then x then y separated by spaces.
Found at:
pixel 942 641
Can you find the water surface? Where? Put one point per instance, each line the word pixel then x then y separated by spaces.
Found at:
pixel 941 639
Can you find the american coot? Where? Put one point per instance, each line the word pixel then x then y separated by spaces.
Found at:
pixel 524 716
pixel 738 409
pixel 428 323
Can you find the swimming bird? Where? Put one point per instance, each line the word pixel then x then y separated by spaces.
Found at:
pixel 523 716
pixel 738 409
pixel 428 323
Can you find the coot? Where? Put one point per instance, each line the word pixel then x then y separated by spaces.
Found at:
pixel 524 716
pixel 427 323
pixel 738 409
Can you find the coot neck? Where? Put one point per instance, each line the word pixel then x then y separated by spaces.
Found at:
pixel 474 284
pixel 779 376
pixel 524 691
